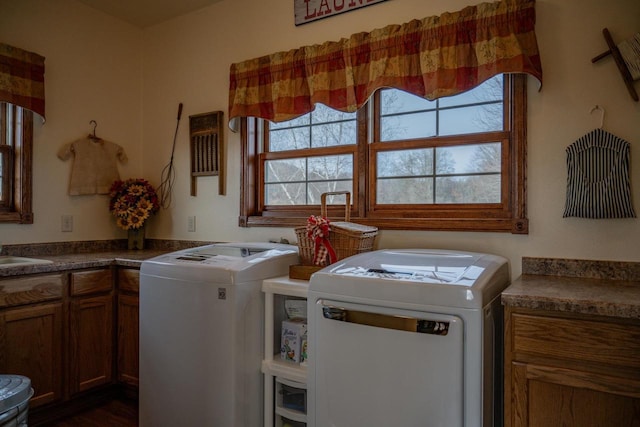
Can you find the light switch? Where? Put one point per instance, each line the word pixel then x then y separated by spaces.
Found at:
pixel 191 224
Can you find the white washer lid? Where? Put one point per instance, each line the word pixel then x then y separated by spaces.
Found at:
pixel 229 263
pixel 14 390
pixel 416 276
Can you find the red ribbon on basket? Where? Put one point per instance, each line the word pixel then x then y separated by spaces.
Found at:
pixel 318 230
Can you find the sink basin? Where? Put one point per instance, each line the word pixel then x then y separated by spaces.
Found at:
pixel 16 261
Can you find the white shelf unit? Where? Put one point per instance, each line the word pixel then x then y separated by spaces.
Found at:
pixel 276 371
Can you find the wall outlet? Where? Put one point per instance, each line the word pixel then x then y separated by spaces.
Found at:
pixel 191 224
pixel 67 223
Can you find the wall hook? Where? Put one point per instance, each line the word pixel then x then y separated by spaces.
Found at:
pixel 596 108
pixel 93 135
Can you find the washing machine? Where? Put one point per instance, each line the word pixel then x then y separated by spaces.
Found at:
pixel 406 338
pixel 201 334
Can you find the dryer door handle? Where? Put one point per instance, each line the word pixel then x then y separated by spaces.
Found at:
pixel 387 321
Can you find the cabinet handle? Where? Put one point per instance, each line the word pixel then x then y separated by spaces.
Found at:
pixel 387 321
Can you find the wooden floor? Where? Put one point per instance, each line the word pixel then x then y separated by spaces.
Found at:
pixel 114 413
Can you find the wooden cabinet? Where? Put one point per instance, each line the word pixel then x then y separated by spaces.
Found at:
pixel 31 333
pixel 128 335
pixel 71 333
pixel 91 330
pixel 564 369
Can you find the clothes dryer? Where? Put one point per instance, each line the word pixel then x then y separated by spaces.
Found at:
pixel 406 338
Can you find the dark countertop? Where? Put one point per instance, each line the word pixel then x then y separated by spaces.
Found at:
pixel 75 261
pixel 589 288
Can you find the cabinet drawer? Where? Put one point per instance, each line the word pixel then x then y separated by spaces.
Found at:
pixel 581 340
pixel 87 282
pixel 28 290
pixel 129 279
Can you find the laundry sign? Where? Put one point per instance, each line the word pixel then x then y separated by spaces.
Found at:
pixel 311 10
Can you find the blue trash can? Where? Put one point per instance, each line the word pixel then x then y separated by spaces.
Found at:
pixel 15 392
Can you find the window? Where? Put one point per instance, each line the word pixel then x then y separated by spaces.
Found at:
pixel 456 163
pixel 16 130
pixel 309 156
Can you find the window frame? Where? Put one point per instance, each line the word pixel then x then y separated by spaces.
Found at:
pixel 18 208
pixel 508 216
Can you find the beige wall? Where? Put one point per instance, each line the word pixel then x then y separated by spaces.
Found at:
pixel 187 60
pixel 93 71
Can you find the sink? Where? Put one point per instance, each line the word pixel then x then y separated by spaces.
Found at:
pixel 16 261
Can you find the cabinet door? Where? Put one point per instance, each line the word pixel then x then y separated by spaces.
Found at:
pixel 91 352
pixel 129 280
pixel 31 345
pixel 544 396
pixel 128 339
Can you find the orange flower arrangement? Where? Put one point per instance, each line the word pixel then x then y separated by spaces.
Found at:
pixel 132 202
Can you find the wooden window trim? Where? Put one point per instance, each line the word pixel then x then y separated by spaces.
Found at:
pixel 19 209
pixel 509 217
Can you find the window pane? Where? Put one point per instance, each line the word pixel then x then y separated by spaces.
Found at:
pixel 404 191
pixel 328 135
pixel 398 101
pixel 464 159
pixel 405 163
pixel 296 193
pixel 285 194
pixel 491 90
pixel 323 127
pixel 8 123
pixel 324 114
pixel 301 180
pixel 289 139
pixel 407 116
pixel 479 118
pixel 468 189
pixel 407 176
pixel 317 188
pixel 1 176
pixel 326 168
pixel 408 126
pixel 285 170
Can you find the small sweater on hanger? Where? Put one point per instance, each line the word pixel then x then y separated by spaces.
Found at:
pixel 94 166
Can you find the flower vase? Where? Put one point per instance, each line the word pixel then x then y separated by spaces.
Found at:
pixel 136 238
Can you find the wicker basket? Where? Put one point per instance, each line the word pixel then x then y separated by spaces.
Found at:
pixel 346 238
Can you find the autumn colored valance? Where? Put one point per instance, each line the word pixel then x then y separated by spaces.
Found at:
pixel 433 57
pixel 22 78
